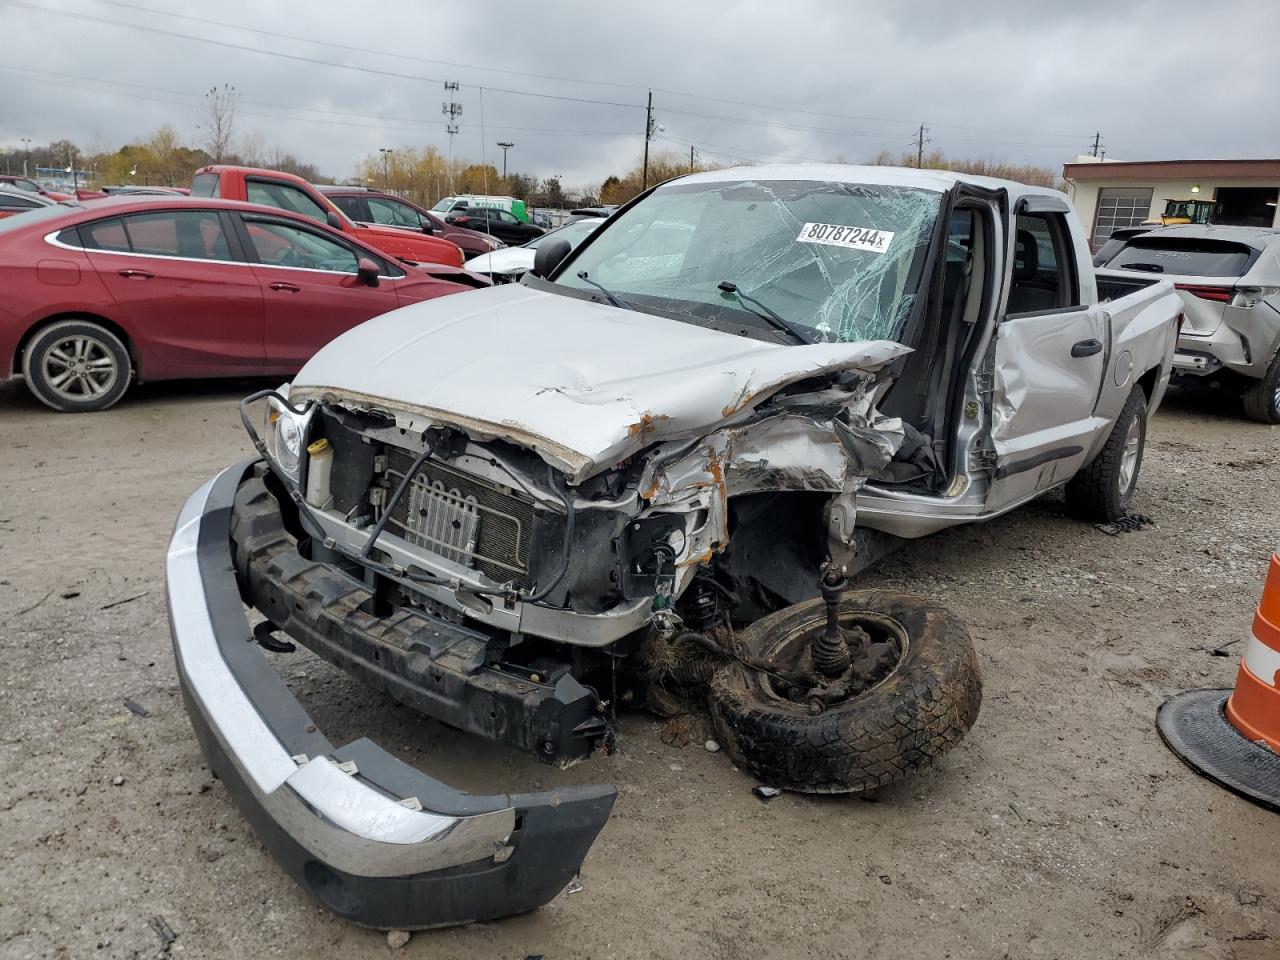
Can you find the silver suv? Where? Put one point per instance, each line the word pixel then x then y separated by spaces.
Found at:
pixel 1229 280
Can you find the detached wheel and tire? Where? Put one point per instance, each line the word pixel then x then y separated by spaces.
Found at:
pixel 1262 398
pixel 919 710
pixel 1103 490
pixel 76 366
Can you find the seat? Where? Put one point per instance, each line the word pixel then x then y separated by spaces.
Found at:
pixel 1024 295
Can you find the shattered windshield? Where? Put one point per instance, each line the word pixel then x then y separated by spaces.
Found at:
pixel 833 259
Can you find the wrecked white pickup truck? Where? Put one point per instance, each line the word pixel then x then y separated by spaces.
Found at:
pixel 643 473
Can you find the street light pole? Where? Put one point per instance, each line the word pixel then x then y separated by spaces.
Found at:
pixel 385 151
pixel 505 145
pixel 26 142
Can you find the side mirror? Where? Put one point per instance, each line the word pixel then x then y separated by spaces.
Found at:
pixel 549 256
pixel 333 220
pixel 428 227
pixel 367 272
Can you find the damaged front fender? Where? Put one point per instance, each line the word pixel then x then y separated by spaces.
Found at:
pixel 829 441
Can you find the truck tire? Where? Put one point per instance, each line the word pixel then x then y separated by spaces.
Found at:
pixel 1262 397
pixel 76 366
pixel 1102 491
pixel 906 721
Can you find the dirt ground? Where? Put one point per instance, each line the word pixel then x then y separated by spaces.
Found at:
pixel 1061 827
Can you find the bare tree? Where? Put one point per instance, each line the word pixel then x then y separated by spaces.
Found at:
pixel 219 121
pixel 253 148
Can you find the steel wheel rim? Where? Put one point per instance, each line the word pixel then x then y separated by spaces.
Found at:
pixel 1129 458
pixel 864 618
pixel 79 368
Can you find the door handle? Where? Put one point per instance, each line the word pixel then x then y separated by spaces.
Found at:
pixel 1086 348
pixel 136 274
pixel 281 285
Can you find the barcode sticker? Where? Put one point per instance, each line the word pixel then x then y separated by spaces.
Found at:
pixel 854 238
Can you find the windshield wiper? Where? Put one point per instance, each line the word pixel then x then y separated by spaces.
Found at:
pixel 582 275
pixel 728 286
pixel 1152 267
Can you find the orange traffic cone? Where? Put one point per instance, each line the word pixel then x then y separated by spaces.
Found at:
pixel 1233 737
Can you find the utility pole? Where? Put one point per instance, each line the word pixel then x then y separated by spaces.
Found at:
pixel 385 151
pixel 691 158
pixel 1097 143
pixel 453 110
pixel 648 135
pixel 505 145
pixel 920 140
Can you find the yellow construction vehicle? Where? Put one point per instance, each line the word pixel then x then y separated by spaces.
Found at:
pixel 1186 211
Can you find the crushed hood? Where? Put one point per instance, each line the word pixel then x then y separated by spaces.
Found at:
pixel 581 383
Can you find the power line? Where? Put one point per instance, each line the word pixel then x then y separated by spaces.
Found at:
pixel 227 44
pixel 376 53
pixel 737 153
pixel 526 93
pixel 560 79
pixel 386 123
pixel 860 119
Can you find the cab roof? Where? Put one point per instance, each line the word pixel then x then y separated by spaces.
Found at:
pixel 938 181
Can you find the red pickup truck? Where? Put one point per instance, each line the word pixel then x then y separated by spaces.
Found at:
pixel 273 188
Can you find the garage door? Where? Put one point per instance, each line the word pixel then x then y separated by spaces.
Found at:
pixel 1119 207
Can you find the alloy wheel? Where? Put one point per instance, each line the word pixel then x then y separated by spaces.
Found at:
pixel 1129 457
pixel 79 367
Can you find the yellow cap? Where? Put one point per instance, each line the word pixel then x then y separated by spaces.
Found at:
pixel 317 446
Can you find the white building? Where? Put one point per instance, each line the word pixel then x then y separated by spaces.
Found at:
pixel 1120 193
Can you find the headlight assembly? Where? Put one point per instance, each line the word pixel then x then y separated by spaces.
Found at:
pixel 286 436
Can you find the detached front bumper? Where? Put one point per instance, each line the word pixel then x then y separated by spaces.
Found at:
pixel 373 839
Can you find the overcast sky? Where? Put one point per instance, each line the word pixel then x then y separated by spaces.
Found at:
pixel 747 81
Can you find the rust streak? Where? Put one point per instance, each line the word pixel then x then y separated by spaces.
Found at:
pixel 743 400
pixel 700 559
pixel 646 426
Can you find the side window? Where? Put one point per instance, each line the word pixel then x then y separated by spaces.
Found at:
pixel 193 234
pixel 1043 266
pixel 9 202
pixel 392 213
pixel 285 196
pixel 956 271
pixel 204 185
pixel 505 217
pixel 353 207
pixel 104 235
pixel 284 245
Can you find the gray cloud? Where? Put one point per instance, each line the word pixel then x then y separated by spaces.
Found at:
pixel 1026 83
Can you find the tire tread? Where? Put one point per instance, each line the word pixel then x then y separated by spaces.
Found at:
pixel 1092 493
pixel 1258 398
pixel 874 740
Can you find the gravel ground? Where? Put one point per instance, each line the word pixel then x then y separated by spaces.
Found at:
pixel 1061 827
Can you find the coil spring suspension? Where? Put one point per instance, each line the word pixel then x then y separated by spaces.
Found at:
pixel 829 648
pixel 702 605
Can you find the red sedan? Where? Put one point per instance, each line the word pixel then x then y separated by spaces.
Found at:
pixel 157 288
pixel 26 183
